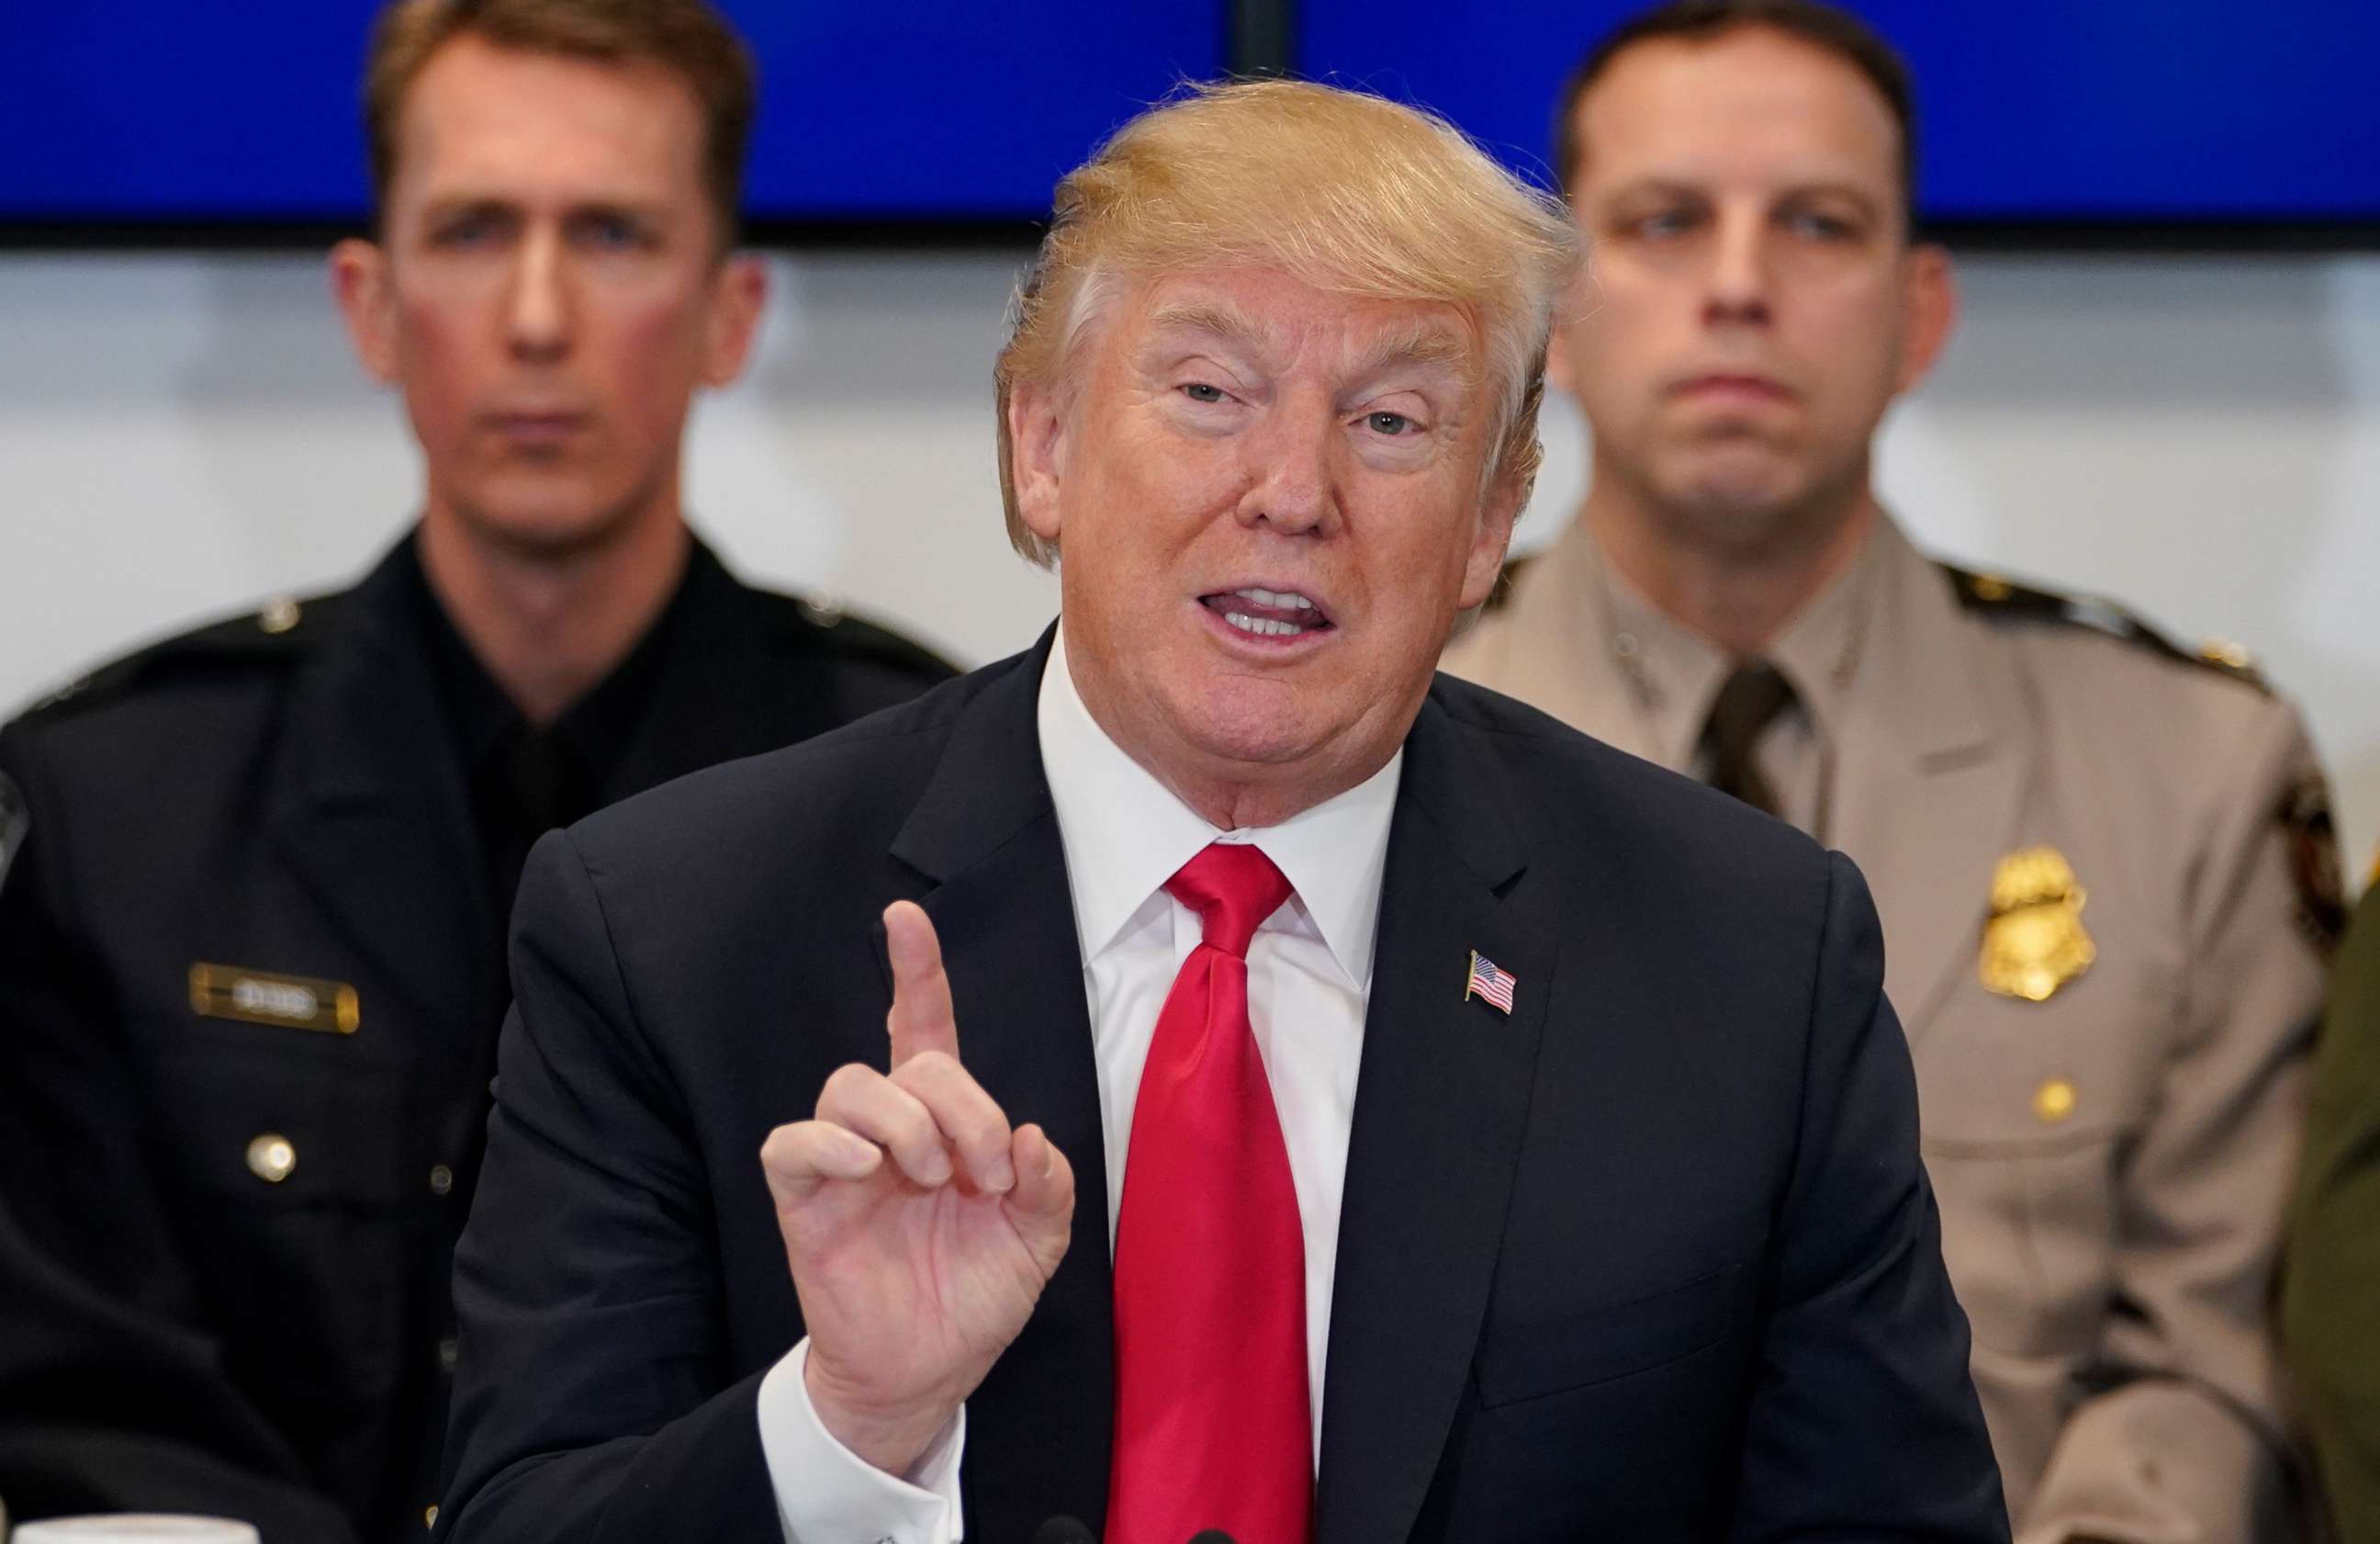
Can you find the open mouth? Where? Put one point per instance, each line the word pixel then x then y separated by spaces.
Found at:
pixel 1269 615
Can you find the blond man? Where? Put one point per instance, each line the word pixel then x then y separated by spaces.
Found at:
pixel 1209 1071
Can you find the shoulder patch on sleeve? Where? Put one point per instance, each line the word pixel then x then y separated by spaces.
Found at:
pixel 15 820
pixel 2315 863
pixel 1995 596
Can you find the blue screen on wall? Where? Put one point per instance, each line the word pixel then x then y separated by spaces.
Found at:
pixel 2079 114
pixel 2031 111
pixel 891 111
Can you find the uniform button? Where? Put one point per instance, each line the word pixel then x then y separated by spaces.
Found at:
pixel 279 615
pixel 1989 586
pixel 61 694
pixel 271 1157
pixel 447 1351
pixel 430 1516
pixel 2054 1101
pixel 442 1179
pixel 2223 651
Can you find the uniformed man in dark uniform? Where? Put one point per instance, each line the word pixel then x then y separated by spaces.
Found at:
pixel 254 879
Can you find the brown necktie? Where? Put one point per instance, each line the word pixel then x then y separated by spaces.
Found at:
pixel 1748 703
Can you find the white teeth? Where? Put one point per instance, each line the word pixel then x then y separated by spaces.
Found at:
pixel 1262 627
pixel 1289 598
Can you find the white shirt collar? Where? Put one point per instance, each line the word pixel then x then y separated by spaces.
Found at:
pixel 1125 834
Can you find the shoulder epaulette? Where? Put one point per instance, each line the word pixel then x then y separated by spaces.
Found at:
pixel 283 629
pixel 855 637
pixel 1994 595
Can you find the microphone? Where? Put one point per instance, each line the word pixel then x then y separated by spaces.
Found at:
pixel 1069 1530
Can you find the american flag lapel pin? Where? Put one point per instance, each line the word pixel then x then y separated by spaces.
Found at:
pixel 1489 984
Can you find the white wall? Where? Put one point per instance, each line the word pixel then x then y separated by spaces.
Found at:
pixel 180 435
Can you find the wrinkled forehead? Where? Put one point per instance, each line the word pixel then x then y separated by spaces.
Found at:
pixel 1277 321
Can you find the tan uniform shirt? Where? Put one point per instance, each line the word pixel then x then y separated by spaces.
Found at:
pixel 2112 1158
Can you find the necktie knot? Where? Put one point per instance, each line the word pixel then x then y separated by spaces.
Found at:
pixel 1233 887
pixel 1747 704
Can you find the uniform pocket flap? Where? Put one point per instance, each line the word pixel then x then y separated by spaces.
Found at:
pixel 288 1131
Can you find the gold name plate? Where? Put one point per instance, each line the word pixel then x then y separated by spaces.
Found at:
pixel 288 1002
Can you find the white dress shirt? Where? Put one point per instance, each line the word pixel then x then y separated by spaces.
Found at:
pixel 1309 980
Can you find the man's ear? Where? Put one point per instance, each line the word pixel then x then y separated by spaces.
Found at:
pixel 1037 446
pixel 1930 302
pixel 739 294
pixel 1507 496
pixel 359 280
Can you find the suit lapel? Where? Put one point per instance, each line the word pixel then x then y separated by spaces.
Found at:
pixel 371 815
pixel 1440 1103
pixel 1934 759
pixel 984 839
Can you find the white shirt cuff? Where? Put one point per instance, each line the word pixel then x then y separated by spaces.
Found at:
pixel 828 1494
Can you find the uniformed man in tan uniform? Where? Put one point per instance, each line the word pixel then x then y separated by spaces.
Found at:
pixel 2103 865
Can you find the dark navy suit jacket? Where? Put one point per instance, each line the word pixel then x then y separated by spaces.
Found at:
pixel 1653 1257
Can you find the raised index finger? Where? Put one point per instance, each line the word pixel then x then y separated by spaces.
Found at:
pixel 921 1019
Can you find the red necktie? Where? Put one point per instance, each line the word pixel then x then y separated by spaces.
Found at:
pixel 1213 1424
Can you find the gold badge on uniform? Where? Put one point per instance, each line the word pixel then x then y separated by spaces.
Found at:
pixel 264 996
pixel 2035 941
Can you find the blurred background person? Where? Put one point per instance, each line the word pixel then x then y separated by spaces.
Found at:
pixel 256 877
pixel 2334 1265
pixel 2104 867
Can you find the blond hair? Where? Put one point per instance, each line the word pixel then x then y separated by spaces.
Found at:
pixel 1341 189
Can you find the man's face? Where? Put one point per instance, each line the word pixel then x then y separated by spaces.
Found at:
pixel 1272 506
pixel 549 292
pixel 1752 305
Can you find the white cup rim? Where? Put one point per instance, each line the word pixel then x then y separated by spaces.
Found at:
pixel 142 1527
